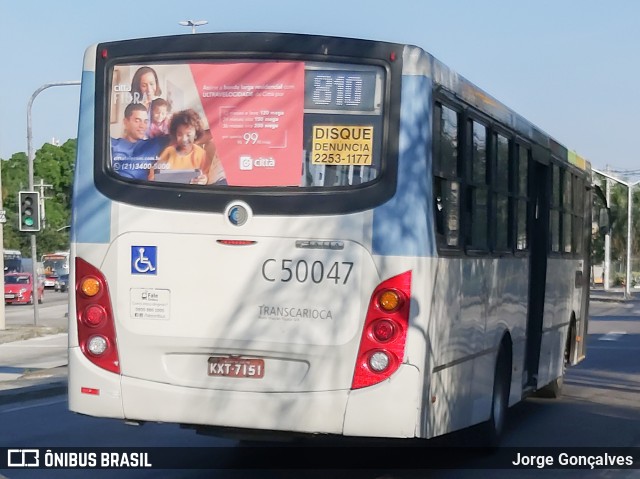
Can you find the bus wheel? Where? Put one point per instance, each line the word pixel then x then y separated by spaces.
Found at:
pixel 500 398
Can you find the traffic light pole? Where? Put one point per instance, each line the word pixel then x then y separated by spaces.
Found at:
pixel 34 258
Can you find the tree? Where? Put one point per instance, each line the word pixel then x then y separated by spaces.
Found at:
pixel 618 200
pixel 55 166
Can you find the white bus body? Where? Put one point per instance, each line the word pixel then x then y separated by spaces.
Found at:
pixel 193 302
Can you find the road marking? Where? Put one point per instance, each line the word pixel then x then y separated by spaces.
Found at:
pixel 59 340
pixel 39 404
pixel 48 337
pixel 612 336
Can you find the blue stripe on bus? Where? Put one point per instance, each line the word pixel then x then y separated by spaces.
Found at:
pixel 92 210
pixel 404 225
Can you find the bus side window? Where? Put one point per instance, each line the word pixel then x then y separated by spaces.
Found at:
pixel 445 172
pixel 521 181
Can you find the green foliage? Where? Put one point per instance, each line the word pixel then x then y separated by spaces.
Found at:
pixel 618 200
pixel 53 166
pixel 619 214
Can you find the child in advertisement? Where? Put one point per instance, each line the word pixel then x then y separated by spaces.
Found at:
pixel 183 157
pixel 160 118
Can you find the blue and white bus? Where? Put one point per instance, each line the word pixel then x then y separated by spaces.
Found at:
pixel 316 235
pixel 12 261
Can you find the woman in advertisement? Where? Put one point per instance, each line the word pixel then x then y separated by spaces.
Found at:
pixel 145 86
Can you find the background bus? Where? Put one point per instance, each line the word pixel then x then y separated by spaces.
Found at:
pixel 383 248
pixel 55 265
pixel 12 261
pixel 27 267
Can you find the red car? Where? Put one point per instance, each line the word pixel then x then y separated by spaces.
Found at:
pixel 18 289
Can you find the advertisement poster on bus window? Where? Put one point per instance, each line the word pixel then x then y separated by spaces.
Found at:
pixel 237 123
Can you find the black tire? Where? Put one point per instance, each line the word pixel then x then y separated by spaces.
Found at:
pixel 500 399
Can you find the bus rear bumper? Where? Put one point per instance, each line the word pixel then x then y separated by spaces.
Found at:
pixel 317 412
pixel 388 409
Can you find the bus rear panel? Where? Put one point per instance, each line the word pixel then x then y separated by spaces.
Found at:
pixel 256 296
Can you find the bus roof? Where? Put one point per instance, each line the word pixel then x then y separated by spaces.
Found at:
pixel 426 64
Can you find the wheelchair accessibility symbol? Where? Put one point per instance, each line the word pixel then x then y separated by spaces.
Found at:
pixel 144 259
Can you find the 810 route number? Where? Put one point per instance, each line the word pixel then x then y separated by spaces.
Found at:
pixel 303 271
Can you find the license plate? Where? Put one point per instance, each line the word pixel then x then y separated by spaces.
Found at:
pixel 236 367
pixel 9 296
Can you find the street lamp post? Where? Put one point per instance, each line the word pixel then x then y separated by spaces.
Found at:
pixel 30 158
pixel 607 239
pixel 193 24
pixel 629 185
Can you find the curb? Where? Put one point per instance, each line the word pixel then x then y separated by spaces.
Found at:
pixel 36 391
pixel 20 333
pixel 35 385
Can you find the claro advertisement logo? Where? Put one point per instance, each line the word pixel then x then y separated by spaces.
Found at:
pixel 247 163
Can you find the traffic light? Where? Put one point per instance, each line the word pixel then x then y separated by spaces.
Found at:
pixel 29 211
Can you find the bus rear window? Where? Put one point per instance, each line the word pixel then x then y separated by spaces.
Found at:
pixel 246 123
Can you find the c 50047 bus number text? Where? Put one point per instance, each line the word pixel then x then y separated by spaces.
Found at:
pixel 302 271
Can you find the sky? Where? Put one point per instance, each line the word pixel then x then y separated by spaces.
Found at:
pixel 571 67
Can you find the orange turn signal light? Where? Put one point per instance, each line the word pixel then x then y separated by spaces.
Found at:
pixel 90 286
pixel 389 300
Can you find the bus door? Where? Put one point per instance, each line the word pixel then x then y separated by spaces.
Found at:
pixel 538 234
pixel 583 280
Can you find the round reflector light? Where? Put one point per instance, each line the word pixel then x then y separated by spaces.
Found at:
pixel 389 300
pixel 383 330
pixel 90 286
pixel 97 345
pixel 94 315
pixel 379 361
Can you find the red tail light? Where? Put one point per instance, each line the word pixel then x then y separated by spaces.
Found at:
pixel 94 317
pixel 384 333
